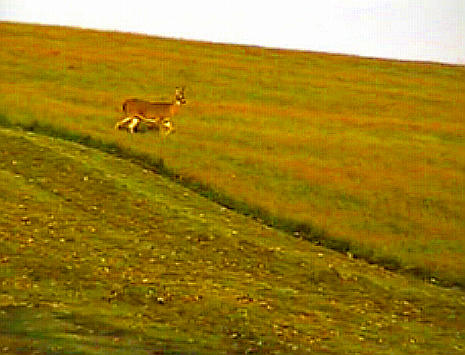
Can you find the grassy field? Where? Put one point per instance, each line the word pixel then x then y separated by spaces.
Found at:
pixel 99 256
pixel 365 155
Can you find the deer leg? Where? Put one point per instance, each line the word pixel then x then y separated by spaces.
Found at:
pixel 150 120
pixel 167 126
pixel 133 125
pixel 136 121
pixel 124 121
pixel 152 123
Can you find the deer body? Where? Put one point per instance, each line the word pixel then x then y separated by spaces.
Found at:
pixel 151 110
pixel 154 114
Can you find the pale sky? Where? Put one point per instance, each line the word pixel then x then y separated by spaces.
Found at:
pixel 427 30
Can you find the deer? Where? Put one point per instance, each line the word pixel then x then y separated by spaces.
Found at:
pixel 155 114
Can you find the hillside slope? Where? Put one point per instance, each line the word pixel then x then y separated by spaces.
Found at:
pixel 366 155
pixel 100 255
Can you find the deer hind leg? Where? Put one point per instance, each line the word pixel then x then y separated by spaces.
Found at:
pixel 134 123
pixel 123 122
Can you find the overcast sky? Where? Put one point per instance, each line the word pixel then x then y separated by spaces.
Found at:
pixel 429 30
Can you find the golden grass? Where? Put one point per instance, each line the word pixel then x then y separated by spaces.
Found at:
pixel 372 151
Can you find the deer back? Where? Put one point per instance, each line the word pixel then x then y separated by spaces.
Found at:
pixel 149 109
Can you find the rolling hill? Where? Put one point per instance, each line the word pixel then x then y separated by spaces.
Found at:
pixel 214 238
pixel 365 155
pixel 101 255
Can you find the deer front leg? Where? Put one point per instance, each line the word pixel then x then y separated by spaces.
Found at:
pixel 168 127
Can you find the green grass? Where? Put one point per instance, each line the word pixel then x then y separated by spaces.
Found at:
pixel 365 155
pixel 101 255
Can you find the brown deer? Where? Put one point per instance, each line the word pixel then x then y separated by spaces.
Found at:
pixel 154 114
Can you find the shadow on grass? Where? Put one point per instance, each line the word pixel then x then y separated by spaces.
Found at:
pixel 306 231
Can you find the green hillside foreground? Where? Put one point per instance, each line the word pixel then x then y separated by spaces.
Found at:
pixel 365 155
pixel 100 255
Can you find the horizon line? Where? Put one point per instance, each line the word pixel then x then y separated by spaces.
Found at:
pixel 272 48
